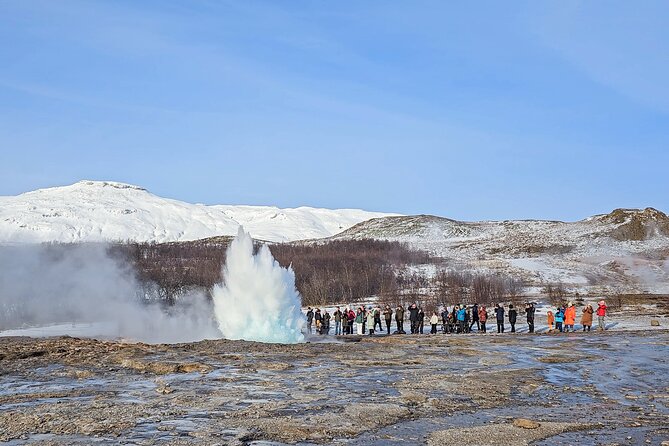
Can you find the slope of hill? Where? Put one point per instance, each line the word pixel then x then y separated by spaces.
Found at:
pixel 624 251
pixel 103 211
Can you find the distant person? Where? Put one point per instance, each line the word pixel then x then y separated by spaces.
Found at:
pixel 550 318
pixel 399 319
pixel 475 318
pixel 601 315
pixel 351 320
pixel 529 311
pixel 370 321
pixel 513 317
pixel 483 317
pixel 586 318
pixel 434 320
pixel 325 323
pixel 318 318
pixel 569 317
pixel 460 315
pixel 421 320
pixel 468 318
pixel 413 318
pixel 444 320
pixel 310 318
pixel 377 319
pixel 388 317
pixel 338 316
pixel 499 315
pixel 559 318
pixel 359 318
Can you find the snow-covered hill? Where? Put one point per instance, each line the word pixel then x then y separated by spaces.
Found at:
pixel 624 251
pixel 110 211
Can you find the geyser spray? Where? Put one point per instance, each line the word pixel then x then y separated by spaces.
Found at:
pixel 257 300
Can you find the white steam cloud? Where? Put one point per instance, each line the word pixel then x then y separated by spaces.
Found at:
pixel 257 300
pixel 79 290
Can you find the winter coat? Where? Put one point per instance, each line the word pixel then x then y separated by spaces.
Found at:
pixel 475 313
pixel 337 316
pixel 529 310
pixel 370 319
pixel 551 318
pixel 483 314
pixel 399 314
pixel 388 314
pixel 570 315
pixel 434 320
pixel 359 317
pixel 351 315
pixel 586 319
pixel 499 312
pixel 461 315
pixel 310 316
pixel 413 314
pixel 601 310
pixel 559 316
pixel 513 316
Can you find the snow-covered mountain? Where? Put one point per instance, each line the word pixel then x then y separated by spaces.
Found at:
pixel 110 211
pixel 624 251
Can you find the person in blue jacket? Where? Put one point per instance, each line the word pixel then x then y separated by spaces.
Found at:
pixel 559 318
pixel 461 318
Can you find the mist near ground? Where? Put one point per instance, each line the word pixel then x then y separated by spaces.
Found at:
pixel 43 285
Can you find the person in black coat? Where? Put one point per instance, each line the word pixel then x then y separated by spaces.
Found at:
pixel 529 310
pixel 499 313
pixel 399 319
pixel 413 318
pixel 513 317
pixel 421 320
pixel 475 318
pixel 310 318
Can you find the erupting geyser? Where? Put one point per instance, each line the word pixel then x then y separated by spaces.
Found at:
pixel 257 300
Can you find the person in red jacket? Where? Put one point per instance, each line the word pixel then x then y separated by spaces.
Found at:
pixel 601 314
pixel 483 317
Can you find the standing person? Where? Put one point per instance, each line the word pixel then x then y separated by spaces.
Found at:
pixel 550 318
pixel 444 320
pixel 359 318
pixel 569 317
pixel 586 318
pixel 325 328
pixel 421 320
pixel 319 319
pixel 468 317
pixel 529 311
pixel 338 318
pixel 460 315
pixel 513 317
pixel 370 321
pixel 388 316
pixel 483 317
pixel 351 320
pixel 499 314
pixel 475 318
pixel 377 319
pixel 399 319
pixel 413 318
pixel 559 318
pixel 434 320
pixel 310 318
pixel 601 315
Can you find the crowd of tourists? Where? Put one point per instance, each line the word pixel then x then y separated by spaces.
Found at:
pixel 458 319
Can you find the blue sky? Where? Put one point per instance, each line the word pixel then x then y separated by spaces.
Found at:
pixel 470 110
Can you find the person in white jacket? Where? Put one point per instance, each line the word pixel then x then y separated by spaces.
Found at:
pixel 434 320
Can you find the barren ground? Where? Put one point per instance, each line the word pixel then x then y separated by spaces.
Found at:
pixel 597 388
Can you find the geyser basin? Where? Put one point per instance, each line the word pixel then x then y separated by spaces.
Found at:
pixel 257 300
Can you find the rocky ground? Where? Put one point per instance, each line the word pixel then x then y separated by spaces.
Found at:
pixel 597 388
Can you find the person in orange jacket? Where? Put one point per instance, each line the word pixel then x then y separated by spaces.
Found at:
pixel 570 317
pixel 551 321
